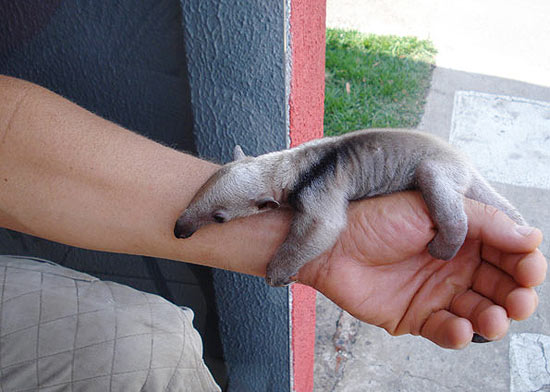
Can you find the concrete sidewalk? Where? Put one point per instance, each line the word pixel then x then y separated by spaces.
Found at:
pixel 490 96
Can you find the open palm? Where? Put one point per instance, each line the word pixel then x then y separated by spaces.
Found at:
pixel 380 271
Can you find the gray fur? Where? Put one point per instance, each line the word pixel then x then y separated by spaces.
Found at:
pixel 318 179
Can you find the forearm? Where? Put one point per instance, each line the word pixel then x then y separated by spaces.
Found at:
pixel 72 177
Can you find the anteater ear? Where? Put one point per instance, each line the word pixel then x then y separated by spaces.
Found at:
pixel 267 203
pixel 238 153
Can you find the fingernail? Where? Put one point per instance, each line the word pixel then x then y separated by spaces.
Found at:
pixel 524 230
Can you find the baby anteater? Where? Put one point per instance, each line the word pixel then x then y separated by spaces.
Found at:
pixel 318 179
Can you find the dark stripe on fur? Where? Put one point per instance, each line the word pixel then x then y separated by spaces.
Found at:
pixel 314 176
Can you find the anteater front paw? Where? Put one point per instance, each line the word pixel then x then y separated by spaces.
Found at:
pixel 277 275
pixel 448 240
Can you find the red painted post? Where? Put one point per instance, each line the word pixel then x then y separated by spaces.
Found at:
pixel 306 108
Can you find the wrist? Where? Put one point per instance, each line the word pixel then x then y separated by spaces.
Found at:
pixel 244 245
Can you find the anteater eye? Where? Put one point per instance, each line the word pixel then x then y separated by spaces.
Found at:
pixel 219 217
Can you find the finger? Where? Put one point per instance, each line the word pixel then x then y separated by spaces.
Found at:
pixel 495 228
pixel 488 320
pixel 499 287
pixel 447 330
pixel 528 270
pixel 522 303
pixel 493 283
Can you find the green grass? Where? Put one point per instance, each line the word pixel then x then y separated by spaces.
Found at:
pixel 375 81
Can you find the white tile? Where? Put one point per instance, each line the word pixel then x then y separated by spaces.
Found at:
pixel 529 362
pixel 507 138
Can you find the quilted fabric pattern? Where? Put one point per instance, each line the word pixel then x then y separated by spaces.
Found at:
pixel 64 330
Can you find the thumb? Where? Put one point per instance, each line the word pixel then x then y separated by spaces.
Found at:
pixel 494 228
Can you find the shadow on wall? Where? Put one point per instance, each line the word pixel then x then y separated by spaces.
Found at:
pixel 125 63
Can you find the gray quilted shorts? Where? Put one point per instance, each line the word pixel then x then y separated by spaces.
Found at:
pixel 62 330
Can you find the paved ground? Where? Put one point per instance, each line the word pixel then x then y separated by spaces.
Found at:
pixel 490 96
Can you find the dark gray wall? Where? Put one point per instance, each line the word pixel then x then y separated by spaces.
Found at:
pixel 235 52
pixel 124 60
pixel 219 70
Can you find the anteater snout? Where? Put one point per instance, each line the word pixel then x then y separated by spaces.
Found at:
pixel 183 230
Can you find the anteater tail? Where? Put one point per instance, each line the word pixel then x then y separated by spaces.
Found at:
pixel 481 191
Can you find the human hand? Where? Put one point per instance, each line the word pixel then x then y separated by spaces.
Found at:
pixel 381 272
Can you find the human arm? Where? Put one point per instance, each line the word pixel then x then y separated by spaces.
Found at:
pixel 72 177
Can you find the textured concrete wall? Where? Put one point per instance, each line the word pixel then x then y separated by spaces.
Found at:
pixel 128 64
pixel 236 57
pixel 235 51
pixel 125 61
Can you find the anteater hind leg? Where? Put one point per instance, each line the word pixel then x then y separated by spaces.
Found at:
pixel 442 186
pixel 314 229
